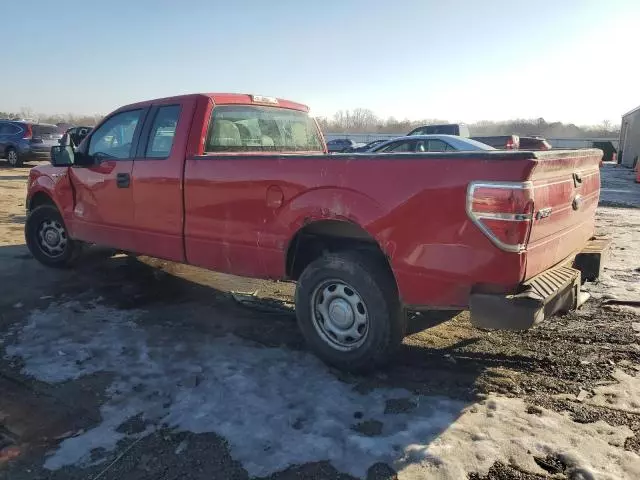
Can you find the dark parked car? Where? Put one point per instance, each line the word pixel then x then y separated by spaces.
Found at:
pixel 459 129
pixel 368 147
pixel 22 141
pixel 430 143
pixel 501 142
pixel 534 143
pixel 340 145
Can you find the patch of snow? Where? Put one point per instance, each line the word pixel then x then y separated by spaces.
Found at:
pixel 499 429
pixel 624 395
pixel 277 408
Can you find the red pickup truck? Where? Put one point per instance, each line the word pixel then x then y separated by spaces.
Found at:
pixel 243 184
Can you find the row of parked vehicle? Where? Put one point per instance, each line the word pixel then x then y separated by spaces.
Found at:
pixel 440 138
pixel 23 140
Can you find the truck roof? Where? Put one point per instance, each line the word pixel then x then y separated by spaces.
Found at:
pixel 225 99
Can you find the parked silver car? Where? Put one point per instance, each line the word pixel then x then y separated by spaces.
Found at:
pixel 430 143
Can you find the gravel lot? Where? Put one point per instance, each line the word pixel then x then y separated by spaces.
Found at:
pixel 144 369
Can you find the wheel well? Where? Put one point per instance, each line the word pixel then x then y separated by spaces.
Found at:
pixel 38 199
pixel 7 148
pixel 318 238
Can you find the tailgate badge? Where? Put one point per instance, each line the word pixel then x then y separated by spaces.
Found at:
pixel 543 213
pixel 577 202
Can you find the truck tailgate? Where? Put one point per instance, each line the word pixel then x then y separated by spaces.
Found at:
pixel 566 190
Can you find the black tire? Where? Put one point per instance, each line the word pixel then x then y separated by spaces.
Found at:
pixel 13 159
pixel 373 283
pixel 39 218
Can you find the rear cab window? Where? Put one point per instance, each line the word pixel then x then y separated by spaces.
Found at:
pixel 253 128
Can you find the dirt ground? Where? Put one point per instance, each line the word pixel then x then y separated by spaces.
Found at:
pixel 144 369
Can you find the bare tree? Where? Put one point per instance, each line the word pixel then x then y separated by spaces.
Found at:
pixel 363 120
pixel 27 113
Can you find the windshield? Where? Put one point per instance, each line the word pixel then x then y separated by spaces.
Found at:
pixel 251 128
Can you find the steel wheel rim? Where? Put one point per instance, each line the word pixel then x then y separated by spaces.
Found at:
pixel 52 238
pixel 12 157
pixel 339 315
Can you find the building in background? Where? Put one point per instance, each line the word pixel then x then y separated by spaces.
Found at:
pixel 629 149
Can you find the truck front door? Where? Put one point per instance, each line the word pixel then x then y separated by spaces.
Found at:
pixel 103 209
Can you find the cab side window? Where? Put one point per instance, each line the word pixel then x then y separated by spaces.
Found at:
pixel 114 138
pixel 163 132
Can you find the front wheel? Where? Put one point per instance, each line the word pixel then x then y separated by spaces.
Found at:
pixel 348 310
pixel 47 238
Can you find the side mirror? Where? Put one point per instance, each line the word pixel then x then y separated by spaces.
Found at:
pixel 62 156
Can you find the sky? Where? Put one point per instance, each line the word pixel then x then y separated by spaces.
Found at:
pixel 563 60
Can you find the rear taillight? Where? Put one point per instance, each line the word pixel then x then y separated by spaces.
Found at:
pixel 510 145
pixel 28 132
pixel 503 211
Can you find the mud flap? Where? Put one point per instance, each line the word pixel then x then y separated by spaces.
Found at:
pixel 553 291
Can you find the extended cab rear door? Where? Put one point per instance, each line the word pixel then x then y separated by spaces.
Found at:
pixel 157 180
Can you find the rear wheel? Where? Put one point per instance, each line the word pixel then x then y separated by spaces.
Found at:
pixel 48 240
pixel 348 310
pixel 12 157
